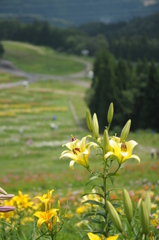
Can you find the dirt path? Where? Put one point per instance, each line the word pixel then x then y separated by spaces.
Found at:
pixel 31 77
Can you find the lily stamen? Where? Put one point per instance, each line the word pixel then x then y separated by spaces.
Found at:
pixel 73 139
pixel 75 150
pixel 123 147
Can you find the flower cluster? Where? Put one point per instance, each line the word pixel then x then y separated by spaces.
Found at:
pixel 115 219
pixel 12 112
pixel 48 217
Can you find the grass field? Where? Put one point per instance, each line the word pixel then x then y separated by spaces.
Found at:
pixel 36 121
pixel 40 157
pixel 40 59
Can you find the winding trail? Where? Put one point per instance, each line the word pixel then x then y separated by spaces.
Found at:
pixel 31 77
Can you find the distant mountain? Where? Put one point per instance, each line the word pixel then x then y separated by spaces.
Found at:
pixel 76 12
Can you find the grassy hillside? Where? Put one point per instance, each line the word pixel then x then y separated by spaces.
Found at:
pixel 40 59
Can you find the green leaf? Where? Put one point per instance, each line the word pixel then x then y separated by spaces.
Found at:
pixel 111 179
pixel 93 178
pixel 94 220
pixel 99 231
pixel 100 186
pixel 97 213
pixel 96 176
pixel 99 194
pixel 93 202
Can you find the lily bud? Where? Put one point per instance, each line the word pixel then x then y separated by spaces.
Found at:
pixel 58 204
pixel 144 218
pixel 2 191
pixel 95 126
pixel 139 203
pixel 89 120
pixel 148 202
pixel 6 197
pixel 110 113
pixel 6 208
pixel 114 217
pixel 128 209
pixel 106 145
pixel 125 131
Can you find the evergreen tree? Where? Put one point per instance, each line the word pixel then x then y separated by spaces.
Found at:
pixel 124 103
pixel 1 50
pixel 150 113
pixel 104 86
pixel 141 79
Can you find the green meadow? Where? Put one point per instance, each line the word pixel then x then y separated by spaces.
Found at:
pixel 21 159
pixel 35 122
pixel 35 59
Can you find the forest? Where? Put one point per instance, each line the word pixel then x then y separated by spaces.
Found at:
pixel 125 68
pixel 133 88
pixel 136 39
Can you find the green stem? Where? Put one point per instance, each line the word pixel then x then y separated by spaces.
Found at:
pixel 105 197
pixel 124 235
pixel 132 228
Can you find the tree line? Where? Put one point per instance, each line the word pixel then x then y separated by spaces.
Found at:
pixel 133 88
pixel 124 40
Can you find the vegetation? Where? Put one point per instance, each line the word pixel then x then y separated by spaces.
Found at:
pixel 34 123
pixel 1 50
pixel 44 60
pixel 134 40
pixel 133 89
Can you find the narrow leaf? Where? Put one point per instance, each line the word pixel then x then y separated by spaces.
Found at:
pixel 93 202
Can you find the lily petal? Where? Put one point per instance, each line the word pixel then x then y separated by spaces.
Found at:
pixel 112 237
pixel 108 154
pixel 72 164
pixel 69 155
pixel 130 145
pixel 93 236
pixel 132 157
pixel 115 145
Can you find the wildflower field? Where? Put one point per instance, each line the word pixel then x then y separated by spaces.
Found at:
pixel 35 122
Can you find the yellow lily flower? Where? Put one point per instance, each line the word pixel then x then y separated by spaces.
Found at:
pixel 96 237
pixel 46 199
pixel 45 217
pixel 122 151
pixel 22 200
pixel 78 151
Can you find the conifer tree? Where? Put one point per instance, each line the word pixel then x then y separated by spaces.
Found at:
pixel 150 113
pixel 1 50
pixel 104 86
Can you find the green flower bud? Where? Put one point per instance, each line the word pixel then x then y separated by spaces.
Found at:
pixel 144 218
pixel 148 202
pixel 114 217
pixel 128 209
pixel 95 126
pixel 106 145
pixel 58 204
pixel 110 113
pixel 139 203
pixel 125 131
pixel 89 120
